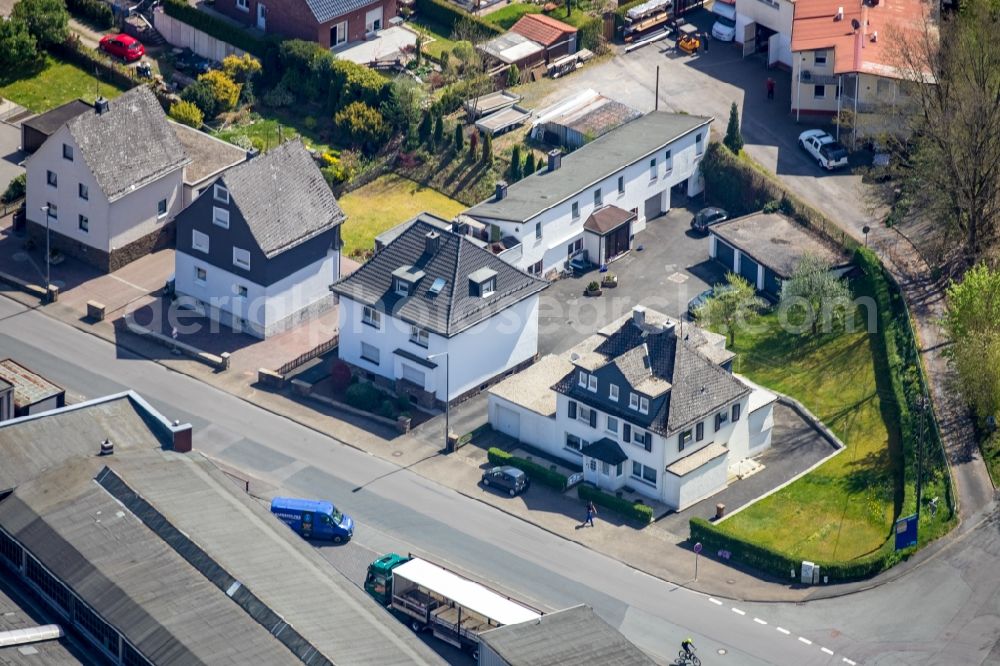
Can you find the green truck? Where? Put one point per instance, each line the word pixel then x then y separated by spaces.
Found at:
pixel 432 598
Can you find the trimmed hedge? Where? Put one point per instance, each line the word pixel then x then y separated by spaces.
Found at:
pixel 637 512
pixel 535 472
pixel 447 15
pixel 95 11
pixel 591 33
pixel 218 28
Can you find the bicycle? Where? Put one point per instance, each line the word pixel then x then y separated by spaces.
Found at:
pixel 685 658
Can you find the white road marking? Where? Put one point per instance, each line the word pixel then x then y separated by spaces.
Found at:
pixel 826 650
pixel 715 601
pixel 849 662
pixel 805 640
pixel 783 630
pixel 759 621
pixel 739 612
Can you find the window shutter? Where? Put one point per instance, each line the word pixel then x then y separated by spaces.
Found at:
pixel 572 409
pixel 718 422
pixel 593 418
pixel 736 412
pixel 699 432
pixel 647 441
pixel 626 432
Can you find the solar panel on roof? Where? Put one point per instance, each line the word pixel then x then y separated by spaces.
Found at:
pixel 437 286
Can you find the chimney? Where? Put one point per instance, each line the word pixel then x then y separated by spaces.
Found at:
pixel 252 153
pixel 501 191
pixel 639 316
pixel 432 242
pixel 182 437
pixel 840 14
pixel 555 159
pixel 101 105
pixel 107 448
pixel 875 36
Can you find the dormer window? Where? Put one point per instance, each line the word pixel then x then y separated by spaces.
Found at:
pixel 405 279
pixel 643 405
pixel 483 283
pixel 592 383
pixel 402 287
pixel 633 401
pixel 613 392
pixel 583 379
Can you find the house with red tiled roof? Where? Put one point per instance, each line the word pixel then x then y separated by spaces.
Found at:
pixel 558 38
pixel 845 58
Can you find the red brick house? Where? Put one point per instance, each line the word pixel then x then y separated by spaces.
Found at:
pixel 558 38
pixel 332 23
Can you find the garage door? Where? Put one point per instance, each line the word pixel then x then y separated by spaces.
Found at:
pixel 724 254
pixel 748 269
pixel 654 206
pixel 772 283
pixel 509 422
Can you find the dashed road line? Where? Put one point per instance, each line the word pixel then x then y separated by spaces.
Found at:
pixel 759 621
pixel 783 630
pixel 849 662
pixel 738 611
pixel 805 640
pixel 715 601
pixel 826 650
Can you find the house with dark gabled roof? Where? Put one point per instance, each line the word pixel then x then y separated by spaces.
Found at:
pixel 260 247
pixel 437 314
pixel 647 403
pixel 332 23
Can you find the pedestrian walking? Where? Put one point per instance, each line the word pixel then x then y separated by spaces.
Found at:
pixel 591 512
pixel 770 88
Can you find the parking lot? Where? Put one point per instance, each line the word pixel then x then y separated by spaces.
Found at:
pixel 671 268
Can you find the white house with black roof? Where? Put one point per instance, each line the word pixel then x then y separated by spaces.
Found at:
pixel 430 302
pixel 648 402
pixel 259 248
pixel 597 198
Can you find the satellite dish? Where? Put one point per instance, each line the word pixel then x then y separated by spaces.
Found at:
pixel 856 24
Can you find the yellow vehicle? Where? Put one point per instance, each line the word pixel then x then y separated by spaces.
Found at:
pixel 688 40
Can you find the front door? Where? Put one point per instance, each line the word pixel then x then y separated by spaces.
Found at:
pixel 617 242
pixel 261 14
pixel 749 39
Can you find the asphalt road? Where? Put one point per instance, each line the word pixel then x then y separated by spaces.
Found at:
pixel 944 612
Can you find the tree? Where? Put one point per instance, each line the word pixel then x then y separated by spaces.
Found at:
pixel 46 20
pixel 473 145
pixel 529 163
pixel 459 138
pixel 187 113
pixel 731 304
pixel 241 69
pixel 540 164
pixel 426 127
pixel 487 149
pixel 973 325
pixel 361 126
pixel 951 169
pixel 516 164
pixel 402 109
pixel 224 90
pixel 200 94
pixel 438 130
pixel 17 45
pixel 734 138
pixel 513 75
pixel 569 8
pixel 823 297
pixel 418 49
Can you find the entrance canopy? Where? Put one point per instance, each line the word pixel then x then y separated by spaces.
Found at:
pixel 605 220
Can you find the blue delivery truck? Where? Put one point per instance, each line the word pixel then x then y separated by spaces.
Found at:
pixel 314 519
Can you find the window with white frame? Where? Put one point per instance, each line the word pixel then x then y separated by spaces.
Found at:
pixel 575 210
pixel 51 178
pixel 683 440
pixel 819 91
pixel 592 383
pixel 699 432
pixel 199 241
pixel 668 162
pixel 67 152
pixel 402 287
pixel 652 169
pixel 613 392
pixel 370 353
pixel 605 468
pixel 371 316
pixel 220 217
pixel 535 268
pixel 819 57
pixel 220 193
pixel 583 379
pixel 584 413
pixel 574 443
pixel 633 401
pixel 643 439
pixel 200 275
pixel 643 473
pixel 487 287
pixel 84 224
pixel 720 420
pixel 621 186
pixel 83 191
pixel 161 208
pixel 643 405
pixel 612 425
pixel 736 412
pixel 598 197
pixel 241 258
pixel 419 336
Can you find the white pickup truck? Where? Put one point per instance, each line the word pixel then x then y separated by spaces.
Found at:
pixel 826 150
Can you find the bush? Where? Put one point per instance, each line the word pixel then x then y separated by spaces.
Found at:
pixel 387 410
pixel 535 472
pixel 340 376
pixel 363 395
pixel 223 89
pixel 241 69
pixel 590 34
pixel 200 94
pixel 279 96
pixel 15 189
pixel 447 15
pixel 361 126
pixel 216 27
pixel 17 46
pixel 46 20
pixel 96 12
pixel 186 113
pixel 632 510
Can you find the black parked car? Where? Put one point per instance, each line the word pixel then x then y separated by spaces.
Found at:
pixel 706 217
pixel 507 478
pixel 190 63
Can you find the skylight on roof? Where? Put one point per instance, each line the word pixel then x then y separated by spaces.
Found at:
pixel 436 287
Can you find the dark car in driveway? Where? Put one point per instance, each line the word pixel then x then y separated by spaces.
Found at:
pixel 190 63
pixel 507 478
pixel 706 217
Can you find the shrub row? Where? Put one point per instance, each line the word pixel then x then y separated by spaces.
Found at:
pixel 218 28
pixel 95 11
pixel 535 472
pixel 780 565
pixel 637 512
pixel 447 15
pixel 590 33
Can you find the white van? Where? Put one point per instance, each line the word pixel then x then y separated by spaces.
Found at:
pixel 724 29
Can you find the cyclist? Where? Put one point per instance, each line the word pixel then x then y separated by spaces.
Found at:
pixel 688 646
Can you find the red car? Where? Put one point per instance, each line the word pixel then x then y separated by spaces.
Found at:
pixel 123 46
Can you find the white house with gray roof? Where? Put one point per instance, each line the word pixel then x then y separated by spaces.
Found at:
pixel 260 247
pixel 647 403
pixel 597 198
pixel 433 302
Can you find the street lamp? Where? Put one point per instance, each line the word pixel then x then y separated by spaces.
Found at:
pixel 447 398
pixel 48 273
pixel 865 229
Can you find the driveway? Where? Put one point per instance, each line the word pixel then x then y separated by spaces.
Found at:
pixel 668 267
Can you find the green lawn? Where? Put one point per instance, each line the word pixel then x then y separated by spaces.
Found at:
pixel 439 41
pixel 844 508
pixel 509 15
pixel 50 83
pixel 384 203
pixel 991 454
pixel 265 133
